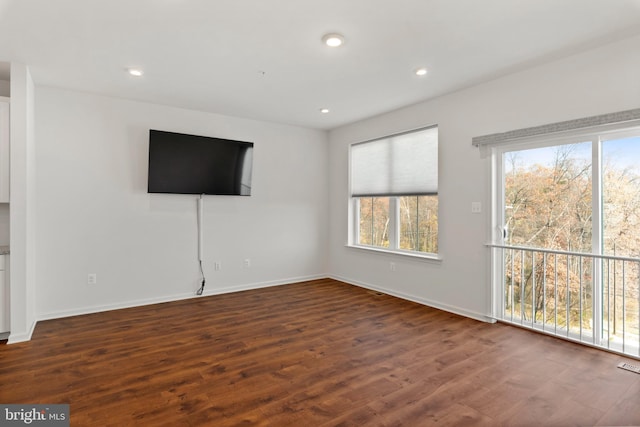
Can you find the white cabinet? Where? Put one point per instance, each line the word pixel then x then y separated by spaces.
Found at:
pixel 4 149
pixel 4 296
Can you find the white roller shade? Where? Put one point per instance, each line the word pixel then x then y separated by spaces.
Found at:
pixel 398 165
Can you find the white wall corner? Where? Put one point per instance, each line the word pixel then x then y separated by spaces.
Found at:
pixel 22 199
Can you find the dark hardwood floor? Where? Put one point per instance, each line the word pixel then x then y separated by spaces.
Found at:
pixel 319 353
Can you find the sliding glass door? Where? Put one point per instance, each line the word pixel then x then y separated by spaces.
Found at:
pixel 568 253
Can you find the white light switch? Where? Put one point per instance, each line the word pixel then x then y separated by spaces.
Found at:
pixel 476 207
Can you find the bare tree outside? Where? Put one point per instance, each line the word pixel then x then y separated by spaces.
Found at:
pixel 418 222
pixel 374 221
pixel 548 204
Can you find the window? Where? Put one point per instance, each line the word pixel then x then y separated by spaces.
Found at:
pixel 578 198
pixel 566 217
pixel 394 191
pixel 419 223
pixel 547 197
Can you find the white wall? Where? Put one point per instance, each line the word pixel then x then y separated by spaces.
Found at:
pixel 95 215
pixel 22 227
pixel 600 81
pixel 5 88
pixel 4 224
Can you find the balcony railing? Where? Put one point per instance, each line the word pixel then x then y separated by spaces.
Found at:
pixel 592 299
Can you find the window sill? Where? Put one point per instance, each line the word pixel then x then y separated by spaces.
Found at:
pixel 417 255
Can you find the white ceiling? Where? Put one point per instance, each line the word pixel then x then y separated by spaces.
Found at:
pixel 264 59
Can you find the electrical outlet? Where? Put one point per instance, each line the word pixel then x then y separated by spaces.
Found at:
pixel 476 207
pixel 392 266
pixel 247 263
pixel 217 266
pixel 92 279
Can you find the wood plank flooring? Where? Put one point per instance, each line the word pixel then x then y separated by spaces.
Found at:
pixel 318 353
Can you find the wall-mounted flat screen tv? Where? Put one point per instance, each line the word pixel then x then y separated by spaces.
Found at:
pixel 191 164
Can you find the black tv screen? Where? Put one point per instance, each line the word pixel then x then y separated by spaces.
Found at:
pixel 191 164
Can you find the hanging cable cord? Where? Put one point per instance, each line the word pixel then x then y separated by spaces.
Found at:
pixel 201 289
pixel 200 208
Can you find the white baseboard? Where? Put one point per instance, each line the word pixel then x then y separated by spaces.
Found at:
pixel 430 303
pixel 169 298
pixel 25 336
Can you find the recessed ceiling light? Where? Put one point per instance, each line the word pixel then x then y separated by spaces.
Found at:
pixel 421 72
pixel 333 39
pixel 324 110
pixel 136 72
